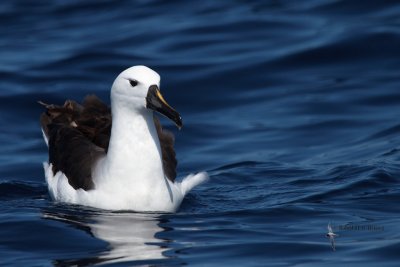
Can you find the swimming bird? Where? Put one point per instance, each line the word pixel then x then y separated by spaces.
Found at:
pixel 117 158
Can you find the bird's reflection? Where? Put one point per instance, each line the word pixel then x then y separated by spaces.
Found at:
pixel 131 236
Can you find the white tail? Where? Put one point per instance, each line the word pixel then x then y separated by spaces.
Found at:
pixel 192 180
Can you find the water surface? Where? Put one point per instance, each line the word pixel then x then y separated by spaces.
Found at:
pixel 291 106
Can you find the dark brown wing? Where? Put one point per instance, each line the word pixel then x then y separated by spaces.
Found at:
pixel 95 121
pixel 78 135
pixel 167 141
pixel 73 154
pixel 66 114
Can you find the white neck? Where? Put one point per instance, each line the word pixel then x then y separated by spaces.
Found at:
pixel 134 154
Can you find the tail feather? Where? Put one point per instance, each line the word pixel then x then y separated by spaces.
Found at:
pixel 193 180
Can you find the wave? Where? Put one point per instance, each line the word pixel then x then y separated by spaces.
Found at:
pixel 21 190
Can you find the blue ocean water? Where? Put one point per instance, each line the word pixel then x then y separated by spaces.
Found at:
pixel 292 107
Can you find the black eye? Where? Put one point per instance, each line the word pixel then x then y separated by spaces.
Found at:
pixel 133 83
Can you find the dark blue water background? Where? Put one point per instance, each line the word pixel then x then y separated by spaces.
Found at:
pixel 293 108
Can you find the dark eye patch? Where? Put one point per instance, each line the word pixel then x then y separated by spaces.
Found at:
pixel 133 83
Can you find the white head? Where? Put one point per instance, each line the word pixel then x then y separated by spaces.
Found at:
pixel 132 85
pixel 137 88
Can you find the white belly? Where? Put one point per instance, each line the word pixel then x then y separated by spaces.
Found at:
pixel 162 197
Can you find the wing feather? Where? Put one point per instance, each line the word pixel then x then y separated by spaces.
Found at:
pixel 167 141
pixel 71 135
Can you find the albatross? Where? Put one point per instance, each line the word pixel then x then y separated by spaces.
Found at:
pixel 117 158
